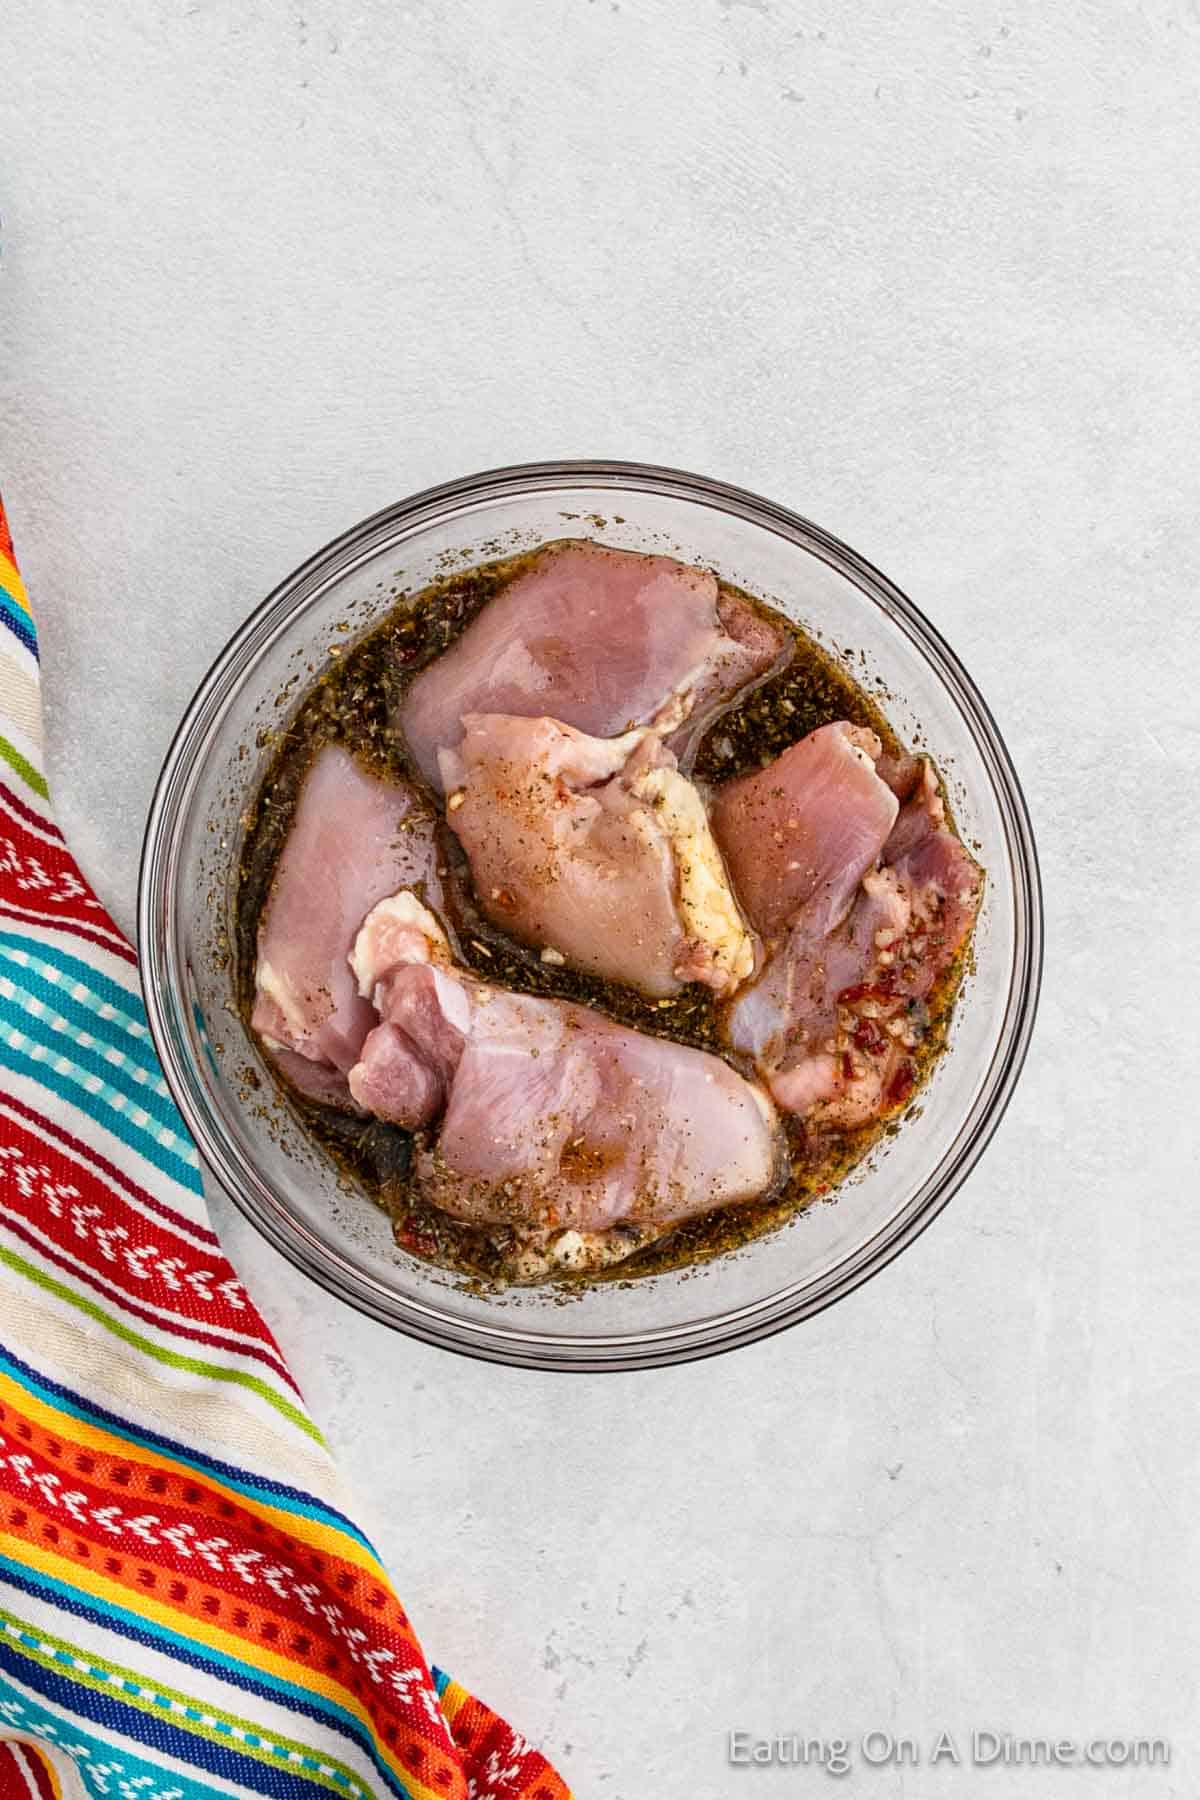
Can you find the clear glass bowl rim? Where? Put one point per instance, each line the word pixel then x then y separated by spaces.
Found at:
pixel 161 974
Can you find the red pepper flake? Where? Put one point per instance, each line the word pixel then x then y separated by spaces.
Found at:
pixel 847 1066
pixel 420 1243
pixel 869 1038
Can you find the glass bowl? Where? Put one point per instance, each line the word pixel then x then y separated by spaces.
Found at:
pixel 256 1148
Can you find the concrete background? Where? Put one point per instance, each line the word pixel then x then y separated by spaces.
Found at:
pixel 928 274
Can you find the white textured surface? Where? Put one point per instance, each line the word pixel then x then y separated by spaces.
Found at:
pixel 928 274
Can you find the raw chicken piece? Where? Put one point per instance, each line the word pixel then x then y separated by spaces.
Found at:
pixel 557 1122
pixel 942 882
pixel 597 849
pixel 833 1019
pixel 392 1080
pixel 407 1061
pixel 603 639
pixel 900 770
pixel 795 1000
pixel 805 830
pixel 354 838
pixel 812 1025
pixel 318 1081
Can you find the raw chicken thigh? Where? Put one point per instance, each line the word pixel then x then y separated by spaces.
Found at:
pixel 602 639
pixel 804 831
pixel 596 850
pixel 833 1019
pixel 584 1137
pixel 354 839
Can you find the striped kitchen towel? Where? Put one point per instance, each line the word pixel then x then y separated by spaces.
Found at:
pixel 186 1606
